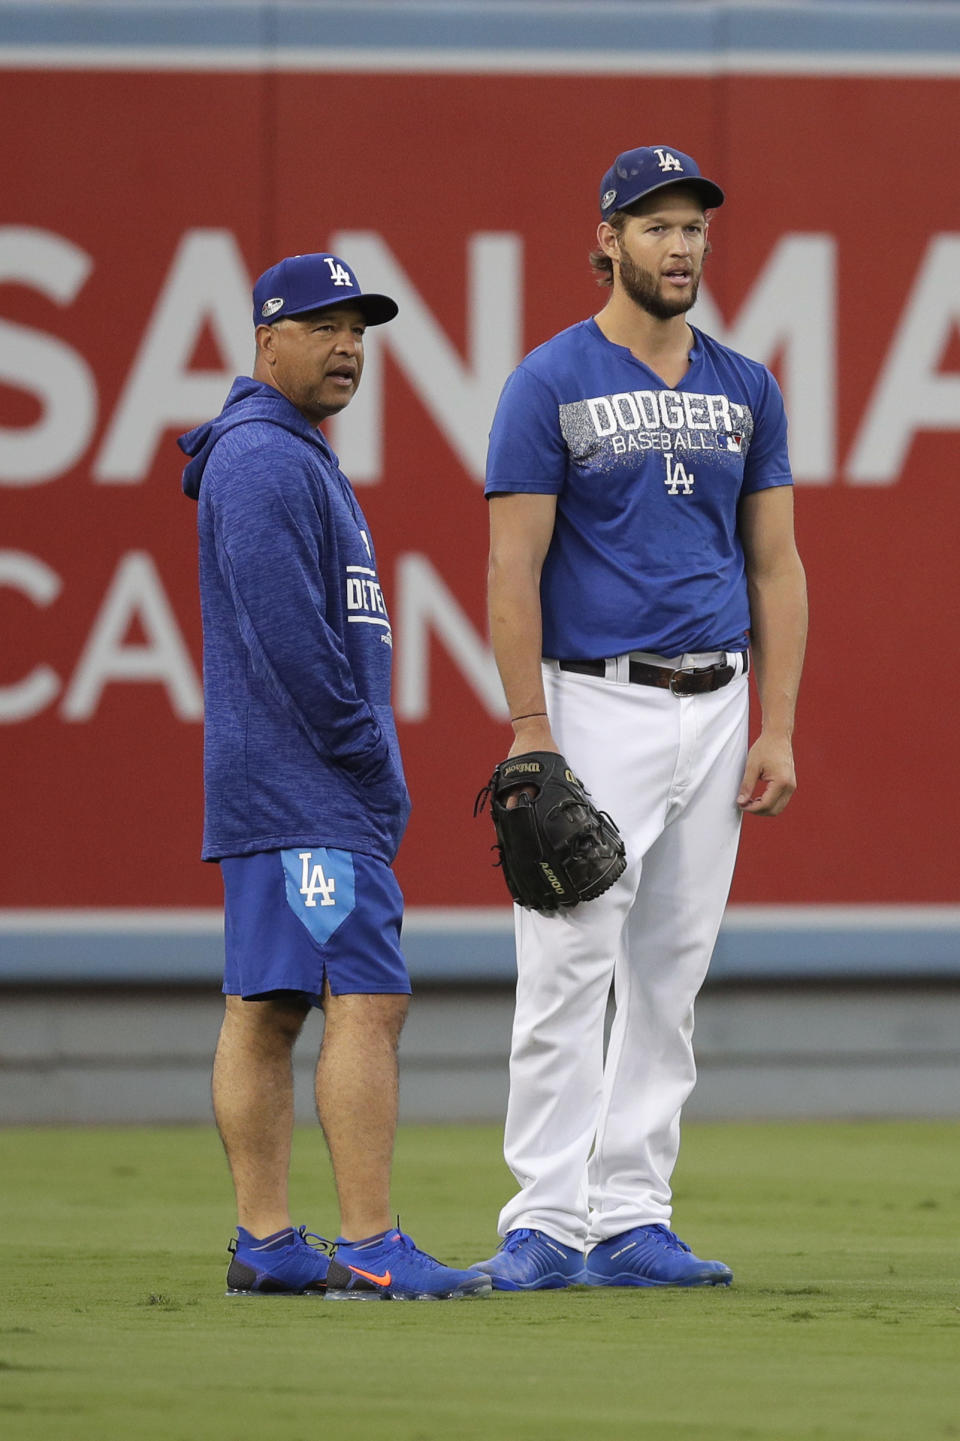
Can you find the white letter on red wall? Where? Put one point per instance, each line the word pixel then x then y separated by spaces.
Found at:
pixel 135 593
pixel 42 585
pixel 790 313
pixel 910 393
pixel 207 284
pixel 461 396
pixel 46 367
pixel 426 607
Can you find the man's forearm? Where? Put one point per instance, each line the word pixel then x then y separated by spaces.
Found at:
pixel 521 526
pixel 516 631
pixel 778 610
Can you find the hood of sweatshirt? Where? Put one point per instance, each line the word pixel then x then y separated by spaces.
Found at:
pixel 248 400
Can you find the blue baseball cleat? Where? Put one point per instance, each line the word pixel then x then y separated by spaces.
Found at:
pixel 285 1264
pixel 533 1261
pixel 651 1256
pixel 391 1268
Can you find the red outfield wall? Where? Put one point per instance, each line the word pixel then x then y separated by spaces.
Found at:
pixel 136 211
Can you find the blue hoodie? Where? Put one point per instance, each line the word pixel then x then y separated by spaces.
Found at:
pixel 300 746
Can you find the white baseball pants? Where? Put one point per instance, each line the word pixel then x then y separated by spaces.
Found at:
pixel 593 1141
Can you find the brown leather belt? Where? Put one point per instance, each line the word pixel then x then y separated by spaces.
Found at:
pixel 680 682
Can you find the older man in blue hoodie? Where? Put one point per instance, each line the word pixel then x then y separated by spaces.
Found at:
pixel 306 801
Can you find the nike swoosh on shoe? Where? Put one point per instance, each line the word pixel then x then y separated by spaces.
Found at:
pixel 383 1280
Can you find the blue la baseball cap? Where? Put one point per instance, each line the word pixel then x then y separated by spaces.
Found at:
pixel 636 173
pixel 310 282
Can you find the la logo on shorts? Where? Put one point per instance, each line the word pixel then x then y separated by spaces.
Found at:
pixel 314 882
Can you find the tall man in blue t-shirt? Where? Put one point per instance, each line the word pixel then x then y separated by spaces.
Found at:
pixel 306 801
pixel 641 514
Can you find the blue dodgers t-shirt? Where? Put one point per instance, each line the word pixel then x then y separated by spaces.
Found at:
pixel 645 553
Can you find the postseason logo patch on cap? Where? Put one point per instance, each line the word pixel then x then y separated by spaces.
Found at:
pixel 270 307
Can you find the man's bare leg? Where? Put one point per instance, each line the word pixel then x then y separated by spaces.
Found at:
pixel 253 1105
pixel 357 1094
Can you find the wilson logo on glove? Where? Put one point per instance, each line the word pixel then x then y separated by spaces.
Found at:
pixel 555 847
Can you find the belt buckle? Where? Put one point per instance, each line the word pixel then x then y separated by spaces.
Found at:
pixel 718 665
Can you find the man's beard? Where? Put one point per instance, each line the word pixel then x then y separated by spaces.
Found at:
pixel 643 289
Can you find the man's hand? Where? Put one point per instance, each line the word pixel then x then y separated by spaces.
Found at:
pixel 532 733
pixel 769 779
pixel 555 847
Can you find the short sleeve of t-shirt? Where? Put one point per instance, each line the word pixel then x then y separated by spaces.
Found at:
pixel 527 451
pixel 767 463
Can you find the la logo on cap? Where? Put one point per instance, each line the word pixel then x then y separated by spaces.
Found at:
pixel 339 274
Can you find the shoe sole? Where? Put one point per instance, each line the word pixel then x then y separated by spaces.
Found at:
pixel 276 1295
pixel 465 1293
pixel 552 1282
pixel 627 1280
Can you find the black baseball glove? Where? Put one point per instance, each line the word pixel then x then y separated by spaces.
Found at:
pixel 556 848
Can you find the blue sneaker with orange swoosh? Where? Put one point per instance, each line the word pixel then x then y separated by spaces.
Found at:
pixel 390 1267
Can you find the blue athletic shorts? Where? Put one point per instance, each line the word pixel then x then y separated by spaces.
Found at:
pixel 297 918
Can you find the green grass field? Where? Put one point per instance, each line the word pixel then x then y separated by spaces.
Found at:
pixel 843 1322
